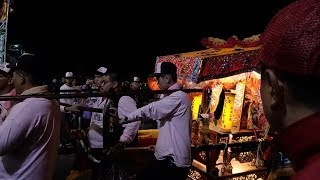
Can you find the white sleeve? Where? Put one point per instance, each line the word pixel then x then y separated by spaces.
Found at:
pixel 157 110
pixel 62 108
pixel 127 105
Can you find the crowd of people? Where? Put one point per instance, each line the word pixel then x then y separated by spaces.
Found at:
pixel 37 123
pixel 31 128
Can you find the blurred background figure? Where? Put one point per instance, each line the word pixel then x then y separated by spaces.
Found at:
pixel 88 84
pixel 98 77
pixel 135 84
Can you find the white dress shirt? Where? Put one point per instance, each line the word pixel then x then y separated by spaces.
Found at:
pixel 174 137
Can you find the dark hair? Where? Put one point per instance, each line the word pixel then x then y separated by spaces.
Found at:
pixel 174 77
pixel 35 79
pixel 114 77
pixel 301 88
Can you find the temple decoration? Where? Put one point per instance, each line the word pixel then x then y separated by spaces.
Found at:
pixel 195 67
pixel 215 94
pixel 196 99
pixel 216 43
pixel 240 92
pixel 227 113
pixel 188 67
pixel 228 65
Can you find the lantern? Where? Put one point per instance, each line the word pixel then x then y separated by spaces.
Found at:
pixel 227 113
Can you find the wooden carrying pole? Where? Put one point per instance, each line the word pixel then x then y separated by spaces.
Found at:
pixel 86 95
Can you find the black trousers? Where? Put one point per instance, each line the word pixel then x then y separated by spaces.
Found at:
pixel 164 170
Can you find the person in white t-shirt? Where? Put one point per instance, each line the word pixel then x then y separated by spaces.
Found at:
pixel 68 106
pixel 68 86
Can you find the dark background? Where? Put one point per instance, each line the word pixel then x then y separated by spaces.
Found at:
pixel 125 36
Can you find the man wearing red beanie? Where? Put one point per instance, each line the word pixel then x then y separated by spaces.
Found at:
pixel 290 56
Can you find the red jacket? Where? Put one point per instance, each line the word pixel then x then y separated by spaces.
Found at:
pixel 301 143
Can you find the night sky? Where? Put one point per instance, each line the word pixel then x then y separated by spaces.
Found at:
pixel 125 36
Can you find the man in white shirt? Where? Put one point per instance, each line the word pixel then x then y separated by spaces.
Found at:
pixel 68 86
pixel 98 77
pixel 68 106
pixel 6 89
pixel 173 148
pixel 135 84
pixel 127 105
pixel 135 87
pixel 96 101
pixel 5 79
pixel 29 136
pixel 110 83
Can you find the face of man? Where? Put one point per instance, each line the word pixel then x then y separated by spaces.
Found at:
pixel 74 82
pixel 163 82
pixel 18 81
pixel 69 81
pixel 135 86
pixel 107 85
pixel 98 80
pixel 272 96
pixel 265 96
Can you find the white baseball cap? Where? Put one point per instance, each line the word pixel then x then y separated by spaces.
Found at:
pixel 102 70
pixel 69 75
pixel 136 79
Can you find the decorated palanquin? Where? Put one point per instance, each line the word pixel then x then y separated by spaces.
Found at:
pixel 228 66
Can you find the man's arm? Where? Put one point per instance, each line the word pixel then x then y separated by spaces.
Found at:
pixel 157 110
pixel 62 108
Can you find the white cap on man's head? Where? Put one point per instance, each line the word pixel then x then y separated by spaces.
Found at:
pixel 136 79
pixel 5 67
pixel 102 70
pixel 69 75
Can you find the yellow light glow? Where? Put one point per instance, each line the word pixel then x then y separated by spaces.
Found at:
pixel 196 102
pixel 238 102
pixel 227 113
